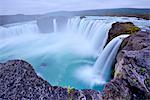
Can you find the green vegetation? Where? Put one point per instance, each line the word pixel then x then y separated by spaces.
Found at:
pixel 142 70
pixel 128 29
pixel 70 90
pixel 120 28
pixel 131 30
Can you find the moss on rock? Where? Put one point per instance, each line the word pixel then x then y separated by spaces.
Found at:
pixel 120 28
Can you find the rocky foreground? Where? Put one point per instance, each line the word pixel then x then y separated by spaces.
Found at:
pixel 18 80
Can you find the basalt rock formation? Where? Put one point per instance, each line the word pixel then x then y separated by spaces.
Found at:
pixel 132 70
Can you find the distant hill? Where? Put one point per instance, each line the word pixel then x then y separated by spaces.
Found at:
pixel 99 12
pixel 128 12
pixel 7 19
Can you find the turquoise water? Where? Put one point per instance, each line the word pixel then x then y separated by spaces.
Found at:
pixel 56 57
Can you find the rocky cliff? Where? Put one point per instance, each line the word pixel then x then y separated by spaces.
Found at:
pixel 132 70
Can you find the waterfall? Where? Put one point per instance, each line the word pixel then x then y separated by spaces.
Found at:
pixel 55 25
pixel 100 72
pixel 96 31
pixel 19 29
pixel 74 56
pixel 104 62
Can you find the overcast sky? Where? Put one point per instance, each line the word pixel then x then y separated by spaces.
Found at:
pixel 44 6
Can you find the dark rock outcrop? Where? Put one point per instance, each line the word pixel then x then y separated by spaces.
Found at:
pixel 81 17
pixel 117 89
pixel 132 71
pixel 18 81
pixel 120 28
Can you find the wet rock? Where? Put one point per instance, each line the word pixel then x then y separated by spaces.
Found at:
pixel 82 17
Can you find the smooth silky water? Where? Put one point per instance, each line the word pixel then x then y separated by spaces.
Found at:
pixel 74 57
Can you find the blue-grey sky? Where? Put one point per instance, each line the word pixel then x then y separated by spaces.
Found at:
pixel 44 6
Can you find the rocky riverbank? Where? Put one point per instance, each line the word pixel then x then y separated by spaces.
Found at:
pixel 131 81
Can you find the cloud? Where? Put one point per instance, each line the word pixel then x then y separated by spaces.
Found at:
pixel 44 6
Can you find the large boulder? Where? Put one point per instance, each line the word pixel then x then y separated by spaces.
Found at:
pixel 120 28
pixel 132 70
pixel 18 81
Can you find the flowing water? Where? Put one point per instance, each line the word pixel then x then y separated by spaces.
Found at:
pixel 75 57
